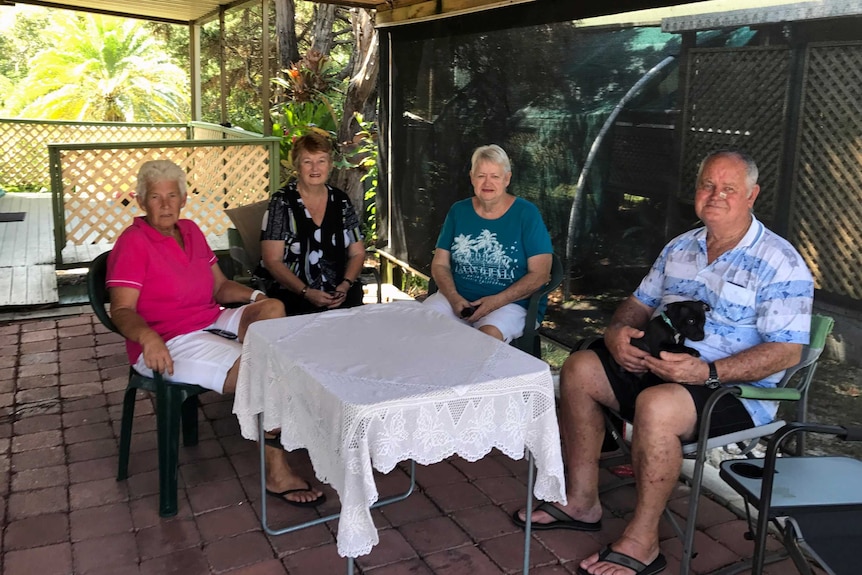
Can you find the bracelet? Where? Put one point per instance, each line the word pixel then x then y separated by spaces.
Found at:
pixel 349 282
pixel 253 297
pixel 304 291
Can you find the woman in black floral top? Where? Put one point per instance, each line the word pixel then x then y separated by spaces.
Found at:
pixel 311 242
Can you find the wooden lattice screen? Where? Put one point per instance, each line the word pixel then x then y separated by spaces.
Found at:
pixel 97 190
pixel 24 152
pixel 826 216
pixel 737 98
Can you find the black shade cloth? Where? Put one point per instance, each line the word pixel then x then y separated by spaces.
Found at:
pixel 541 90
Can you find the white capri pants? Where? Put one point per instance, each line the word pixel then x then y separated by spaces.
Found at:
pixel 200 357
pixel 509 319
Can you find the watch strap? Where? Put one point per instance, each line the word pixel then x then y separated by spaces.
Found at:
pixel 712 382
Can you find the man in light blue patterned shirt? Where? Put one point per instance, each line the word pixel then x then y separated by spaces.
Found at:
pixel 760 294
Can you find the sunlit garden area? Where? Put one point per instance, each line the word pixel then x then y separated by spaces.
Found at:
pixel 65 66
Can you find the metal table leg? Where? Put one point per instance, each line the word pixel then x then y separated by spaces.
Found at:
pixel 528 512
pixel 263 518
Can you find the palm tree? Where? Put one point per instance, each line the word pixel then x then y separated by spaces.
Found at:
pixel 104 69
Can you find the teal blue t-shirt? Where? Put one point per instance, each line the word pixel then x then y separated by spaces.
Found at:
pixel 487 256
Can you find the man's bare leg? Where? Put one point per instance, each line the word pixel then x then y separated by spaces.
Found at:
pixel 584 388
pixel 663 415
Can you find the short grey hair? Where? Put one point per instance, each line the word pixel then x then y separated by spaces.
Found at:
pixel 751 171
pixel 160 171
pixel 490 153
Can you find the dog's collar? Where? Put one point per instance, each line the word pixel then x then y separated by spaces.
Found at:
pixel 667 320
pixel 676 334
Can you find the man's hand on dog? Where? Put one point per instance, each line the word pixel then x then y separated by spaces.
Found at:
pixel 678 367
pixel 618 340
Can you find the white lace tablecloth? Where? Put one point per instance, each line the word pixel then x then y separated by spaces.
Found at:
pixel 379 384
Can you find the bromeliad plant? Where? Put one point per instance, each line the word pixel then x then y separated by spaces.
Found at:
pixel 313 103
pixel 311 100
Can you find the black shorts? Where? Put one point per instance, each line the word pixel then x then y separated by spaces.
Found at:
pixel 729 414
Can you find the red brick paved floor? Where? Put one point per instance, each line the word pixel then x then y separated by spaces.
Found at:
pixel 63 512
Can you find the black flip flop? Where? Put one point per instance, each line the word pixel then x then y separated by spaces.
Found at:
pixel 312 503
pixel 274 441
pixel 608 555
pixel 562 520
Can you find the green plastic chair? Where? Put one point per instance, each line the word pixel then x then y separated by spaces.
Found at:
pixel 530 342
pixel 790 388
pixel 175 403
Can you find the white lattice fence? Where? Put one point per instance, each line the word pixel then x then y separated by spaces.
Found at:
pixel 98 190
pixel 24 144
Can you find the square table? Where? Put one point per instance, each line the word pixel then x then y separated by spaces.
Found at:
pixel 371 386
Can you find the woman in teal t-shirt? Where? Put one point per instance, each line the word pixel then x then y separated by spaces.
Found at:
pixel 493 252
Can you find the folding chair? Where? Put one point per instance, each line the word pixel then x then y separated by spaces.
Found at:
pixel 790 388
pixel 815 502
pixel 530 341
pixel 175 403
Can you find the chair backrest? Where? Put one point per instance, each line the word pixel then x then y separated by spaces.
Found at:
pixel 821 327
pixel 247 220
pixel 529 342
pixel 97 291
pixel 553 283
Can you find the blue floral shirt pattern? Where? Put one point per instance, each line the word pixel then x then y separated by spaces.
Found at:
pixel 760 291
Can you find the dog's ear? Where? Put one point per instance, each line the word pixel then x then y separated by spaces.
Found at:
pixel 706 307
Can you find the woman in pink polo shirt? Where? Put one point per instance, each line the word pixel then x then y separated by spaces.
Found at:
pixel 166 292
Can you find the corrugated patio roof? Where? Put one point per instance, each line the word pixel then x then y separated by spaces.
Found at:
pixel 389 11
pixel 173 11
pixel 692 15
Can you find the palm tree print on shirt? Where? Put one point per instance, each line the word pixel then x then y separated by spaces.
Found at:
pixel 483 259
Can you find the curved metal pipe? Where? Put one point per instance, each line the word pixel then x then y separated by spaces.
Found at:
pixel 591 156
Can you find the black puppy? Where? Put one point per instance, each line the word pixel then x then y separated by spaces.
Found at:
pixel 679 321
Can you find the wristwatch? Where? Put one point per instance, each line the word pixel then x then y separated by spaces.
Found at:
pixel 712 382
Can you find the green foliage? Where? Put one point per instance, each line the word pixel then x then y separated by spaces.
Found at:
pixel 104 69
pixel 244 62
pixel 15 188
pixel 313 102
pixel 368 153
pixel 19 40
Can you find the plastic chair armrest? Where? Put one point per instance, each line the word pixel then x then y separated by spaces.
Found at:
pixel 769 393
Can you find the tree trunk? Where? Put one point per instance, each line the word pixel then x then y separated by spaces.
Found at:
pixel 361 97
pixel 321 30
pixel 285 26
